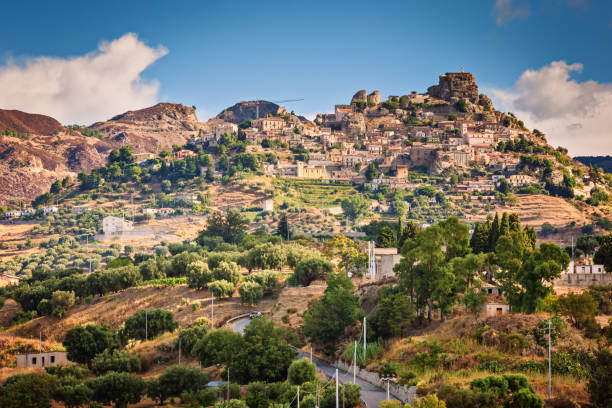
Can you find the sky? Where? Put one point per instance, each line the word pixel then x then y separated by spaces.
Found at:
pixel 547 61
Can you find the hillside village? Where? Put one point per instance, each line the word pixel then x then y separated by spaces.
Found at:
pixel 433 217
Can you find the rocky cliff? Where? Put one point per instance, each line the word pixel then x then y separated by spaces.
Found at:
pixel 453 86
pixel 248 110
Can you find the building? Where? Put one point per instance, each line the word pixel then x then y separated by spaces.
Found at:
pixel 386 259
pixel 7 280
pixel 47 210
pixel 225 128
pixel 311 172
pixel 192 198
pixel 495 308
pixel 40 360
pixel 267 124
pixel 115 225
pixel 79 209
pixel 181 154
pixel 268 205
pixel 160 211
pixel 518 180
pixel 587 269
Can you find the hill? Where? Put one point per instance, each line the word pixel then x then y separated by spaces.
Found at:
pixel 245 110
pixel 23 123
pixel 604 162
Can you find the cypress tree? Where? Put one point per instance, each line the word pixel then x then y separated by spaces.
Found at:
pixel 505 225
pixel 494 233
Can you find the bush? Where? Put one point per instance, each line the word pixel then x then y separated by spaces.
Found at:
pixel 268 281
pixel 540 333
pixel 514 343
pixel 119 361
pixel 28 391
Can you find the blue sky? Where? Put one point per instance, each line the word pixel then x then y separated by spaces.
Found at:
pixel 219 53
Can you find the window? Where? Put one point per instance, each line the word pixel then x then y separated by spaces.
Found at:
pixel 42 361
pixel 490 291
pixel 34 360
pixel 52 359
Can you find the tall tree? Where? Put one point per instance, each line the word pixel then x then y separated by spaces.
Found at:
pixel 283 227
pixel 386 238
pixel 603 255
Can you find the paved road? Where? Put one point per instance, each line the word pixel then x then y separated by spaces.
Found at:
pixel 371 394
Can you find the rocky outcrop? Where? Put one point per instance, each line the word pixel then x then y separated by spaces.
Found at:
pixel 177 114
pixel 374 98
pixel 453 86
pixel 248 110
pixel 30 123
pixel 360 95
pixel 485 102
pixel 354 124
pixel 151 129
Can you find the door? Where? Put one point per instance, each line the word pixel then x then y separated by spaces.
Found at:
pixel 499 311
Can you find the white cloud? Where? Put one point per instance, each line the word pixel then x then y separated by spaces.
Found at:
pixel 506 11
pixel 83 89
pixel 573 114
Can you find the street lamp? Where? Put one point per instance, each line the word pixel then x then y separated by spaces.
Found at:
pixel 388 379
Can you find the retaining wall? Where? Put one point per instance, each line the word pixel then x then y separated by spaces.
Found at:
pixel 404 394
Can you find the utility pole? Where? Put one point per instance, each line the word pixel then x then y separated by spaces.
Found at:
pixel 146 326
pixel 337 402
pixel 355 362
pixel 212 313
pixel 549 364
pixel 365 340
pixel 311 353
pixel 179 361
pixel 228 382
pixel 298 397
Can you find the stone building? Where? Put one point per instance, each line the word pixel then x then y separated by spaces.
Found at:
pixel 453 86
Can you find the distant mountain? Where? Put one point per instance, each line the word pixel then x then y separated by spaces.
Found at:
pixel 605 162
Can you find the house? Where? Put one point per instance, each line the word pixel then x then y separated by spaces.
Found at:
pixel 311 172
pixel 160 211
pixel 225 128
pixel 495 308
pixel 181 154
pixel 386 259
pixel 518 180
pixel 8 280
pixel 114 225
pixel 13 214
pixel 192 198
pixel 267 124
pixel 79 209
pixel 47 210
pixel 268 205
pixel 40 360
pixel 589 269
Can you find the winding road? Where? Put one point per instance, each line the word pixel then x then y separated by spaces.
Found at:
pixel 371 394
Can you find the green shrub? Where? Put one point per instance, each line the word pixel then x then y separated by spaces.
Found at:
pixel 119 361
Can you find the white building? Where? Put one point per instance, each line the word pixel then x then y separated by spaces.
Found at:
pixel 48 210
pixel 115 225
pixel 386 259
pixel 225 128
pixel 268 205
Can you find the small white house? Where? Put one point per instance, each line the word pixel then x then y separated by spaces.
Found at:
pixel 493 308
pixel 48 210
pixel 115 225
pixel 268 205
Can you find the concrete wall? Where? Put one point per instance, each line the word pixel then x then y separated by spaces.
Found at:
pixel 404 394
pixel 584 279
